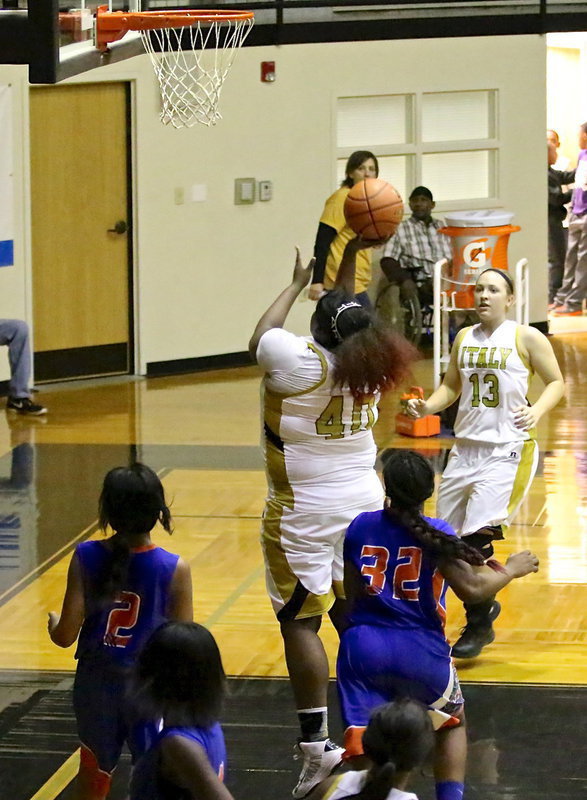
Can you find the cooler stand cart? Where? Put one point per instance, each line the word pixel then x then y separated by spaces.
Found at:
pixel 479 240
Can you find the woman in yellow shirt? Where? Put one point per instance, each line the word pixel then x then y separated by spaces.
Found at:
pixel 334 233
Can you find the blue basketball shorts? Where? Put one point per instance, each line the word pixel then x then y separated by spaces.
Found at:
pixel 104 719
pixel 378 664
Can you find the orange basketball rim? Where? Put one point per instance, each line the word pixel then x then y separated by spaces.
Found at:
pixel 113 25
pixel 191 52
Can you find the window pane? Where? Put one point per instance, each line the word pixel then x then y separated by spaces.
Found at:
pixel 396 170
pixel 457 116
pixel 393 169
pixel 363 122
pixel 459 176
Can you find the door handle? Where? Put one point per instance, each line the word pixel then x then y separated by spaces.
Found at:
pixel 120 227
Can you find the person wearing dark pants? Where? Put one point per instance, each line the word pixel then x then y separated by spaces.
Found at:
pixel 15 334
pixel 568 301
pixel 557 234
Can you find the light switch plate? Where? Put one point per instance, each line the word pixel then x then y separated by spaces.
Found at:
pixel 265 190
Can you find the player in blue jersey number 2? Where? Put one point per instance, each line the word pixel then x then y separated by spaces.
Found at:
pixel 118 592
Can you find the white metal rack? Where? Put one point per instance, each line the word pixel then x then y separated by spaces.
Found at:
pixel 444 306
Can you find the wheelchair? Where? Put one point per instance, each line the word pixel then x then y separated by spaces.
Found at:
pixel 409 315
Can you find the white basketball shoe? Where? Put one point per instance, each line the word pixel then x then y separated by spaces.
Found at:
pixel 320 760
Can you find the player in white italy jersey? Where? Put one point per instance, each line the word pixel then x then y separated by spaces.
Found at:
pixel 491 466
pixel 319 405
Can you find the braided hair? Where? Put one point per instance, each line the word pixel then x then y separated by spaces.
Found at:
pixel 368 356
pixel 132 502
pixel 397 739
pixel 409 481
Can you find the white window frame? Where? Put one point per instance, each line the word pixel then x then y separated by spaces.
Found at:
pixel 415 148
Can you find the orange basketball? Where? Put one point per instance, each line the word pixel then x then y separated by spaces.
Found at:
pixel 373 208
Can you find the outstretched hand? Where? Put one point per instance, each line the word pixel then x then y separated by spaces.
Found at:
pixel 358 243
pixel 416 407
pixel 523 563
pixel 302 275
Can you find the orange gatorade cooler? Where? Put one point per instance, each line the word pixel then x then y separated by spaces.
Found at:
pixel 408 426
pixel 479 240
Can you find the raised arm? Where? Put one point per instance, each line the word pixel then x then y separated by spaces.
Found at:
pixel 448 391
pixel 324 238
pixel 543 361
pixel 345 277
pixel 64 628
pixel 277 312
pixel 475 584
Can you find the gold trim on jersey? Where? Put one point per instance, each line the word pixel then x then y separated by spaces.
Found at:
pixel 272 413
pixel 523 475
pixel 333 786
pixel 284 578
pixel 324 374
pixel 277 472
pixel 526 362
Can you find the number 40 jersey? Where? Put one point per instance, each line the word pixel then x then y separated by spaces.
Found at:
pixel 117 629
pixel 495 375
pixel 319 447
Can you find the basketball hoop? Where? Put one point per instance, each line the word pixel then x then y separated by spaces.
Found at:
pixel 191 51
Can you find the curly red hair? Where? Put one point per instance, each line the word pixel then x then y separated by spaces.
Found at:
pixel 374 359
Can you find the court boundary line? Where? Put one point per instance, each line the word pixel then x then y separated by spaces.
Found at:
pixel 35 573
pixel 229 601
pixel 60 779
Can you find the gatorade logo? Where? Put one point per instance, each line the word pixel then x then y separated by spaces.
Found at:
pixel 475 254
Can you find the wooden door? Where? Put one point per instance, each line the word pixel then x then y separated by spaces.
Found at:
pixel 79 191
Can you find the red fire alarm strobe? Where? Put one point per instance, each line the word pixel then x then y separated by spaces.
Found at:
pixel 267 71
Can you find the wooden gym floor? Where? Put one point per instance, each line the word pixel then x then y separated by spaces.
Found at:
pixel 201 432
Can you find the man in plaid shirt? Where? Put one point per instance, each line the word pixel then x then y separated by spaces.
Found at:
pixel 409 256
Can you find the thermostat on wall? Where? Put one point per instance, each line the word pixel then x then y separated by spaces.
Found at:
pixel 244 191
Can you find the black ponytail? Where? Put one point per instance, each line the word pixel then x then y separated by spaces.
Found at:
pixel 409 481
pixel 132 502
pixel 379 783
pixel 397 739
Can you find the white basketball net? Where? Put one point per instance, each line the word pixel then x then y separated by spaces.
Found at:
pixel 191 64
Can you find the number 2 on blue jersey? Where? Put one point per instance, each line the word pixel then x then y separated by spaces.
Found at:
pixel 123 617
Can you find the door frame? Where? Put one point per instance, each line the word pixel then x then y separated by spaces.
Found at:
pixel 129 85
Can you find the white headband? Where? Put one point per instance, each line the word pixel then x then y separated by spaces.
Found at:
pixel 339 310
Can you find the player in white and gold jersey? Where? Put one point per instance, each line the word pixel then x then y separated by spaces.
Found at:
pixel 492 464
pixel 319 406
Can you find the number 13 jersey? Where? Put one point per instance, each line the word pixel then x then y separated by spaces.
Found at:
pixel 494 377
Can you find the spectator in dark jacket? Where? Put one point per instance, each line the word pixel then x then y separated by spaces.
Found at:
pixel 557 240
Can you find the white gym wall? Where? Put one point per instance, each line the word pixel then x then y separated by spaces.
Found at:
pixel 206 270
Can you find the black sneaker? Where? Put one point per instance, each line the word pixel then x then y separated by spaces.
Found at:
pixel 24 405
pixel 475 636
